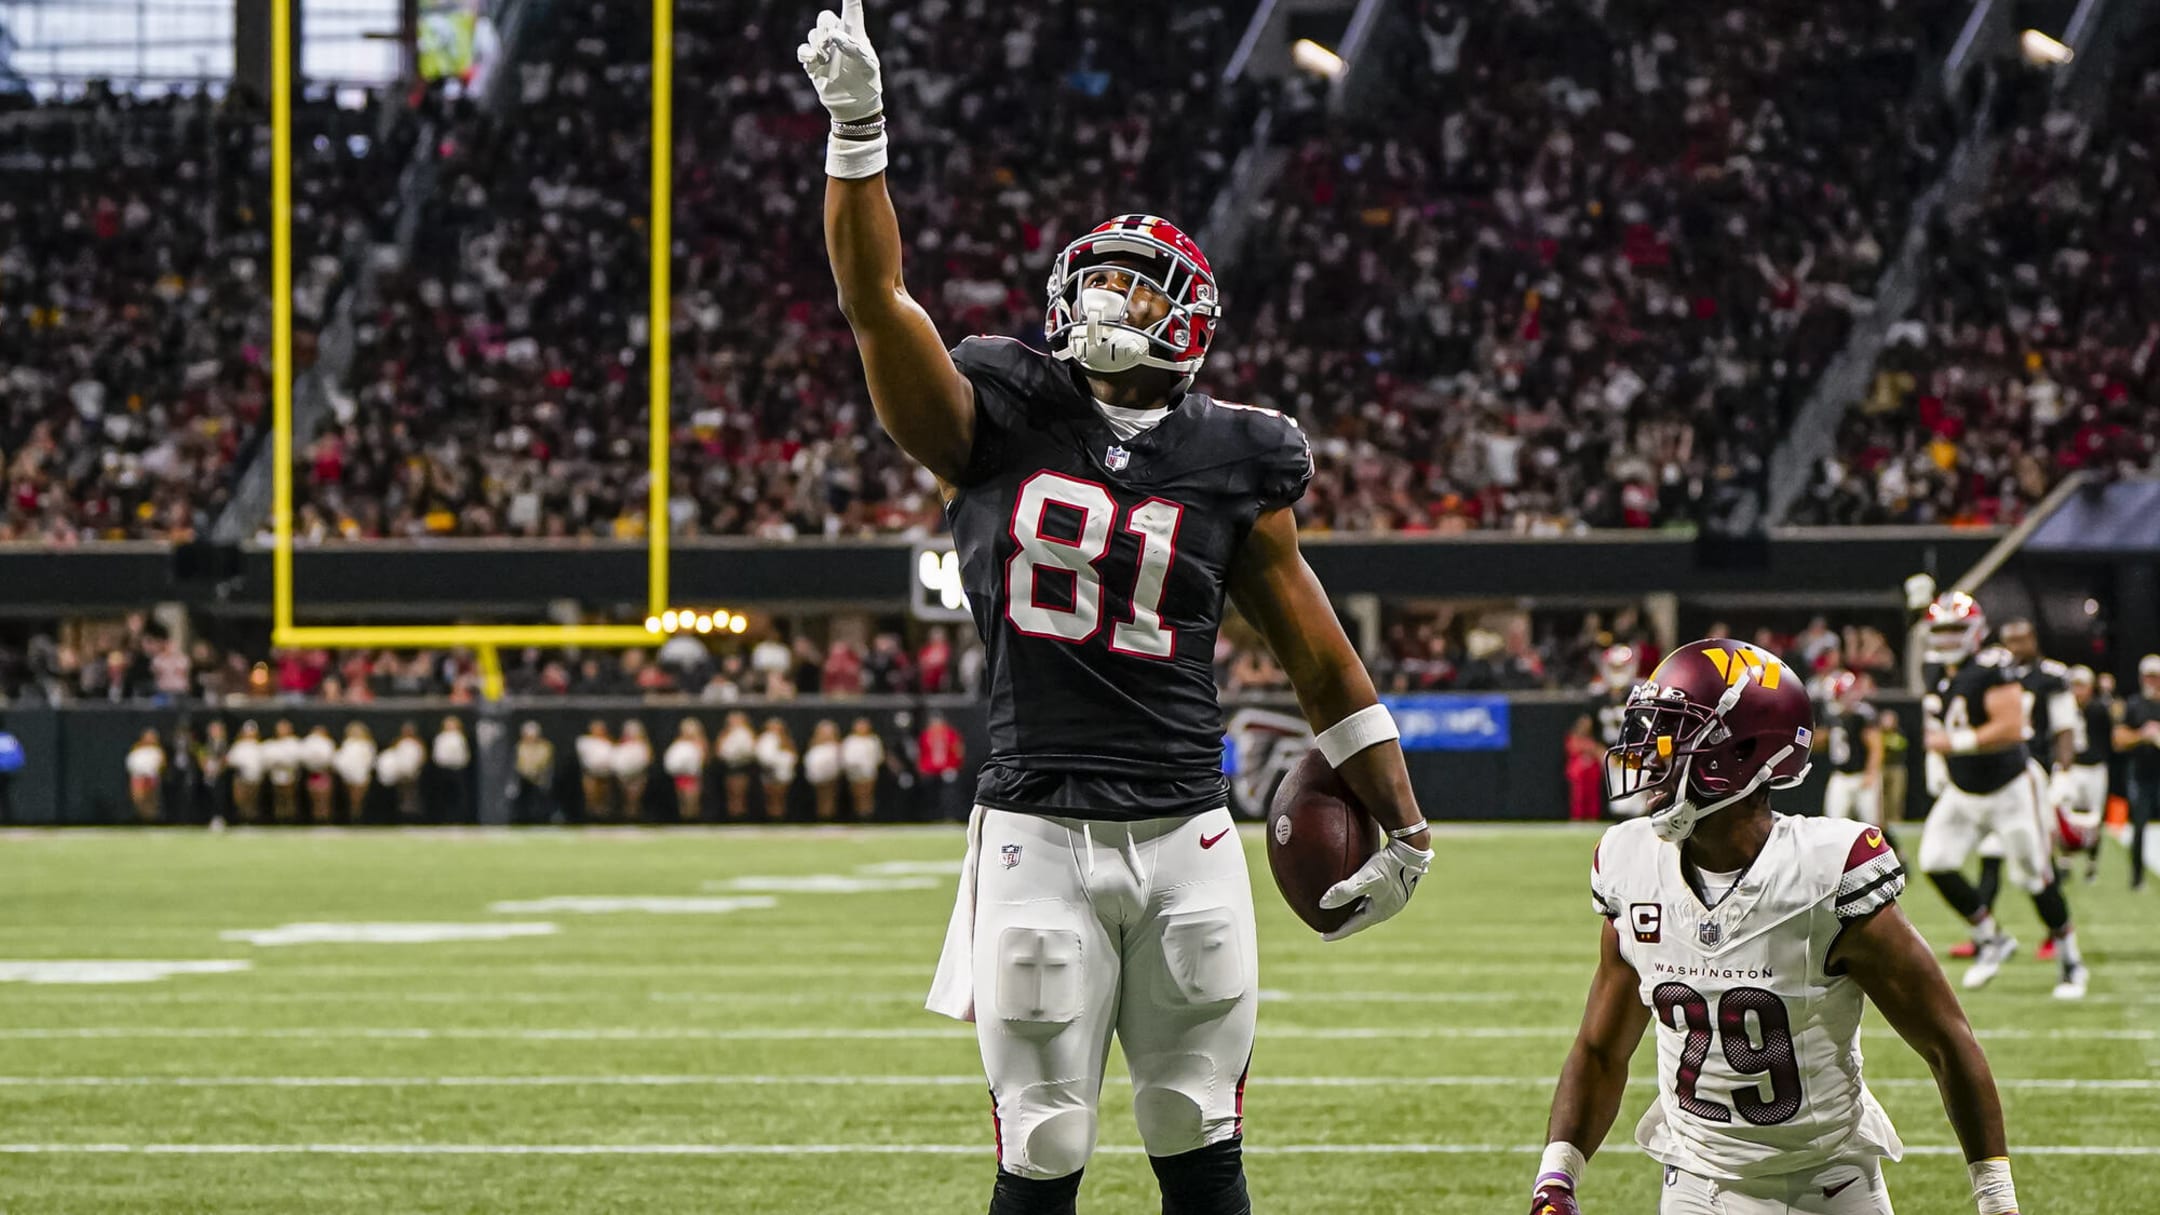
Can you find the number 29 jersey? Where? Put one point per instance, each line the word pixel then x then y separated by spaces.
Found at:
pixel 1096 567
pixel 1758 1040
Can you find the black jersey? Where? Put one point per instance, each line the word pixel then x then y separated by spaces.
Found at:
pixel 1096 569
pixel 1960 702
pixel 1848 738
pixel 1608 709
pixel 2047 693
pixel 2099 738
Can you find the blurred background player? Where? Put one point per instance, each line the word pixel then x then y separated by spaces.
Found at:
pixel 2054 731
pixel 1854 744
pixel 146 771
pixel 1976 722
pixel 1618 668
pixel 1102 510
pixel 1762 1108
pixel 2085 812
pixel 534 765
pixel 2138 738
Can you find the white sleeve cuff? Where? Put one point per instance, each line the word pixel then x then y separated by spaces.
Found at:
pixel 1367 727
pixel 853 159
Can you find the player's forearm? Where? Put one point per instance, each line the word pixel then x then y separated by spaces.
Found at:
pixel 862 237
pixel 1968 1094
pixel 1587 1101
pixel 2065 749
pixel 1331 686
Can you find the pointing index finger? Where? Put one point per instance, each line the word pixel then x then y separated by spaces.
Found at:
pixel 851 16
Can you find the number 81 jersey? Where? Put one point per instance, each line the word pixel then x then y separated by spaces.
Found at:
pixel 1096 563
pixel 1758 1040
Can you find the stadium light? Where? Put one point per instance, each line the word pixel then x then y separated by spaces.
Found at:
pixel 1310 56
pixel 737 623
pixel 2041 50
pixel 652 624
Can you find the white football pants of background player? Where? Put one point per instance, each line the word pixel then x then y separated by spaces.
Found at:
pixel 1081 930
pixel 1838 1189
pixel 1853 795
pixel 1960 821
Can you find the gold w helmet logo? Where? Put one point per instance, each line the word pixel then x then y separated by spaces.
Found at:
pixel 1733 664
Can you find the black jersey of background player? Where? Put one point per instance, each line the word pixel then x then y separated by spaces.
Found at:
pixel 1848 737
pixel 1960 702
pixel 2099 737
pixel 2043 681
pixel 1608 708
pixel 1096 569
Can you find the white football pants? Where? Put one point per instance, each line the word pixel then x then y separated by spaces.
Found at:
pixel 1838 1189
pixel 1853 795
pixel 1086 929
pixel 1959 820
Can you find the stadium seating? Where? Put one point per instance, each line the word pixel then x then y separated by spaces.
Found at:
pixel 2036 350
pixel 134 248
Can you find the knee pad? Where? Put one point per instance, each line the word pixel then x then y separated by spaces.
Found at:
pixel 1182 1103
pixel 1208 1181
pixel 1017 1195
pixel 1056 1146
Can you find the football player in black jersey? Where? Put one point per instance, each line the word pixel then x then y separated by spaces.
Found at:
pixel 1976 721
pixel 1103 511
pixel 2137 737
pixel 1855 745
pixel 2053 730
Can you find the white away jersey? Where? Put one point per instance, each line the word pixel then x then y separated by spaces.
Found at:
pixel 1758 1043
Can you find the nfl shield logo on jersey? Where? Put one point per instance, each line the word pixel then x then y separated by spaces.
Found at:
pixel 1010 853
pixel 1116 459
pixel 1710 932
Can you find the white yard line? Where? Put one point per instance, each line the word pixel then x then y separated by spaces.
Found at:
pixel 885 1149
pixel 793 1033
pixel 703 1080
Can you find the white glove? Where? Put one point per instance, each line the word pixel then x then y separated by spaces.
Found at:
pixel 1937 771
pixel 1919 592
pixel 843 69
pixel 1385 882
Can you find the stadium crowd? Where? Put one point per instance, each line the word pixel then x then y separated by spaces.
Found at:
pixel 137 660
pixel 1591 297
pixel 134 272
pixel 2036 349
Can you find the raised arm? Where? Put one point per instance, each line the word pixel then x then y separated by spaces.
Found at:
pixel 1278 595
pixel 921 398
pixel 1886 956
pixel 1593 1080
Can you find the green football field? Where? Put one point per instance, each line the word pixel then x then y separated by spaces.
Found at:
pixel 763 1048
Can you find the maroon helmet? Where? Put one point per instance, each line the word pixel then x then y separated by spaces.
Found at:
pixel 1715 721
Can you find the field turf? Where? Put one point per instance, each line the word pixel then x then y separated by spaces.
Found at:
pixel 776 1059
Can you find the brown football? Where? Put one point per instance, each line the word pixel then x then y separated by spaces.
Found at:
pixel 1318 835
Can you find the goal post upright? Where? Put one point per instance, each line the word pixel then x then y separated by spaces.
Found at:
pixel 659 329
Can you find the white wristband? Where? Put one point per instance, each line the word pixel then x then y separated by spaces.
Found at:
pixel 1367 727
pixel 855 158
pixel 1992 1191
pixel 1561 1165
pixel 1964 740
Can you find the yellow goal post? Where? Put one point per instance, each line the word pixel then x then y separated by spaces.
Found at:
pixel 481 637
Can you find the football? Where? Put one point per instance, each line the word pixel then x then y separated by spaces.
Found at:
pixel 1318 835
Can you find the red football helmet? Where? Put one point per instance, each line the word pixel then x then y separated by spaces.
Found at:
pixel 1842 688
pixel 1956 628
pixel 1715 721
pixel 1087 320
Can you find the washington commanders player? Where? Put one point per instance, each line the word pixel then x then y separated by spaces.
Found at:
pixel 1103 510
pixel 1976 722
pixel 1751 938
